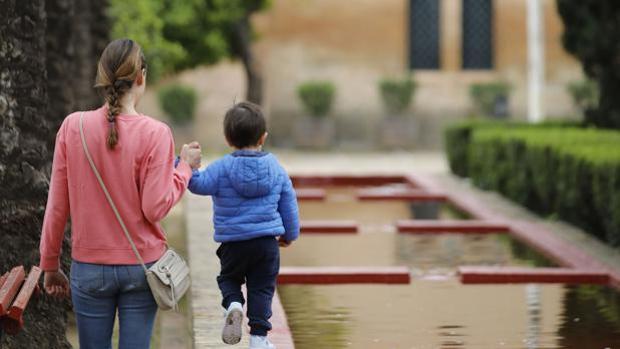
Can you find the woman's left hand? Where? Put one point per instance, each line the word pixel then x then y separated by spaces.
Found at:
pixel 192 154
pixel 56 284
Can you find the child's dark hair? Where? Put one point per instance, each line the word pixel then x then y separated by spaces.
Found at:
pixel 244 125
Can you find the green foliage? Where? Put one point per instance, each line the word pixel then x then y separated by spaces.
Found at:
pixel 181 34
pixel 456 140
pixel 397 94
pixel 591 34
pixel 141 21
pixel 584 93
pixel 561 170
pixel 317 97
pixel 178 102
pixel 484 95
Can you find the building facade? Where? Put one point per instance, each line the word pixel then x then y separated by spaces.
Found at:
pixel 446 45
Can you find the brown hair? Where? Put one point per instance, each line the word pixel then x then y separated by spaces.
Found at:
pixel 244 125
pixel 118 68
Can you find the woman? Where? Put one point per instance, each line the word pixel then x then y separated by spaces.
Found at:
pixel 134 154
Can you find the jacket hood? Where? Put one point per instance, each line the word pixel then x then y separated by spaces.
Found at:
pixel 252 173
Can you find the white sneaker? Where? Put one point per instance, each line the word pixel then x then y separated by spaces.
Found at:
pixel 231 333
pixel 260 342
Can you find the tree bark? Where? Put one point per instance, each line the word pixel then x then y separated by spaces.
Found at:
pixel 48 55
pixel 60 57
pixel 90 38
pixel 24 162
pixel 242 45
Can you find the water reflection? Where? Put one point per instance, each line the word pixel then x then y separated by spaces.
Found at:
pixel 591 318
pixel 327 326
pixel 426 255
pixel 450 315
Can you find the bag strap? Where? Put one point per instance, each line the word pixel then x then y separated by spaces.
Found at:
pixel 107 194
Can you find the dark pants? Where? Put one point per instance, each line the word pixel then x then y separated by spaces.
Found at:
pixel 257 263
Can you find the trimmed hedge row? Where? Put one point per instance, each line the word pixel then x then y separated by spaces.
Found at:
pixel 556 170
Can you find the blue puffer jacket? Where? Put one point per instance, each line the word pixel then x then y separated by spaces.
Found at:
pixel 252 197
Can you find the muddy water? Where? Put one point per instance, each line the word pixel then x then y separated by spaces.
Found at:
pixel 446 314
pixel 424 255
pixel 435 310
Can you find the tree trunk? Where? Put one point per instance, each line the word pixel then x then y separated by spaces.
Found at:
pixel 60 55
pixel 242 44
pixel 24 162
pixel 90 38
pixel 47 66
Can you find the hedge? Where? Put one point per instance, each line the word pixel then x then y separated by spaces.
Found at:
pixel 178 102
pixel 556 170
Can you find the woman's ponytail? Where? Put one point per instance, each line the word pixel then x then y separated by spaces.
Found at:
pixel 119 65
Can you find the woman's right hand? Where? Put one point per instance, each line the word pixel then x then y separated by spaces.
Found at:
pixel 192 154
pixel 56 284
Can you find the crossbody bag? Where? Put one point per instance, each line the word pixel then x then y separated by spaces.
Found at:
pixel 169 277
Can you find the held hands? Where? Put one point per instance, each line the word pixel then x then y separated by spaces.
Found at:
pixel 56 284
pixel 192 154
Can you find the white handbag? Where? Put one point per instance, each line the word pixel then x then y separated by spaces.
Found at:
pixel 169 277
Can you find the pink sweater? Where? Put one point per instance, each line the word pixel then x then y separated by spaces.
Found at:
pixel 140 176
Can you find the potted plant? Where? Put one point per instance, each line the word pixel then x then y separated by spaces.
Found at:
pixel 397 130
pixel 315 130
pixel 491 99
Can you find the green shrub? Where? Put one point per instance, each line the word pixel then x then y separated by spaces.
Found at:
pixel 397 94
pixel 317 97
pixel 484 95
pixel 178 102
pixel 584 93
pixel 568 172
pixel 457 138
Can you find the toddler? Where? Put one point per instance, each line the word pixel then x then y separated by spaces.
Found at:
pixel 255 210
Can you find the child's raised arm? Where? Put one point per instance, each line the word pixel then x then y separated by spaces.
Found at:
pixel 287 207
pixel 205 182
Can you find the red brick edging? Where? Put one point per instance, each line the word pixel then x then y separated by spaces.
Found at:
pixel 343 275
pixel 328 227
pixel 534 235
pixel 280 334
pixel 499 275
pixel 434 226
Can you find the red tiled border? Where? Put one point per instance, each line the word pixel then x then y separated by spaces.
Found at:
pixel 328 227
pixel 512 275
pixel 432 226
pixel 534 235
pixel 344 275
pixel 321 181
pixel 280 334
pixel 401 195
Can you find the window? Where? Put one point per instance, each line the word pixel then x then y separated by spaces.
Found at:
pixel 424 34
pixel 477 34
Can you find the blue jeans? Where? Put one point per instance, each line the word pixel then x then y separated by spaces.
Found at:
pixel 98 291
